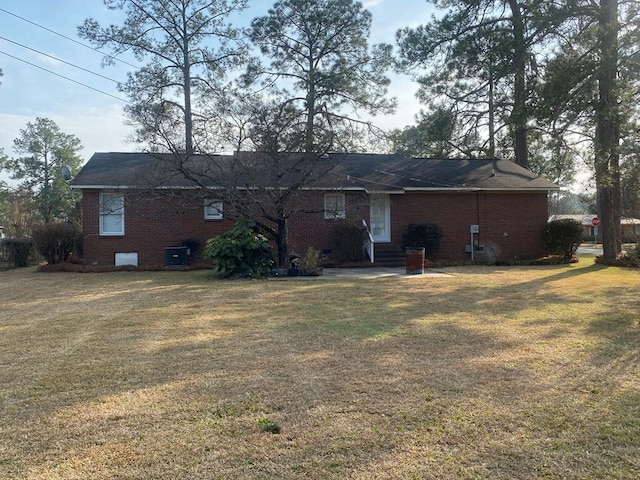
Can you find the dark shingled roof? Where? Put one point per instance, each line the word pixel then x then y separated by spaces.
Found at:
pixel 370 172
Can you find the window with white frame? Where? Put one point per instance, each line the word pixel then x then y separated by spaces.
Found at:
pixel 334 206
pixel 111 214
pixel 212 210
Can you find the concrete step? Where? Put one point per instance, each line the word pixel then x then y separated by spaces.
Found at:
pixel 389 255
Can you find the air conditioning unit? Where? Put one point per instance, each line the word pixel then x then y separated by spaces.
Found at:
pixel 176 256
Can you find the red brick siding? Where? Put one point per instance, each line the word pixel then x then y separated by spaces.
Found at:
pixel 313 230
pixel 521 216
pixel 152 225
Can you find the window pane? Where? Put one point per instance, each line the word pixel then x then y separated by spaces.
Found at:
pixel 112 224
pixel 112 203
pixel 112 214
pixel 334 205
pixel 213 210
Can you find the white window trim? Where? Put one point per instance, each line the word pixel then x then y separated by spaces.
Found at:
pixel 102 215
pixel 213 205
pixel 334 206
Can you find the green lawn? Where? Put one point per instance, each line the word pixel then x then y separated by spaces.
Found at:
pixel 491 373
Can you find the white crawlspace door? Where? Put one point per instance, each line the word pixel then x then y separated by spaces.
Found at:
pixel 380 217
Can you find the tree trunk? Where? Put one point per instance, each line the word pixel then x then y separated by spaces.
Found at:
pixel 282 242
pixel 188 115
pixel 311 112
pixel 492 106
pixel 46 190
pixel 519 112
pixel 607 137
pixel 186 70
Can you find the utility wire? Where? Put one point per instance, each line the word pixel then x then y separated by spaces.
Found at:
pixel 69 38
pixel 66 78
pixel 60 60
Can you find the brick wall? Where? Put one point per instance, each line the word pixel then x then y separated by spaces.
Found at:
pixel 511 224
pixel 313 230
pixel 151 225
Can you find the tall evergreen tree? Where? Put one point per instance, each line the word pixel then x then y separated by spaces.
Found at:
pixel 45 149
pixel 436 134
pixel 590 87
pixel 190 47
pixel 318 57
pixel 480 57
pixel 607 133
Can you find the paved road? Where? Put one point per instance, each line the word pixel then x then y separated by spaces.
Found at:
pixel 586 250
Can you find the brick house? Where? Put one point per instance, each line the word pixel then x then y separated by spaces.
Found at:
pixel 137 210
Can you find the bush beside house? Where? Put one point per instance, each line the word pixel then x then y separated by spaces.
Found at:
pixel 563 237
pixel 242 251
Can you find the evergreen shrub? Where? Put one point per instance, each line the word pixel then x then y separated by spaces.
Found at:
pixel 241 251
pixel 563 237
pixel 426 235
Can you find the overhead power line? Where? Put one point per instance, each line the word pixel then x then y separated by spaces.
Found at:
pixel 62 76
pixel 60 60
pixel 68 38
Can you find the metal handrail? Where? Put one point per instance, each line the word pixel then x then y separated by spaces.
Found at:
pixel 369 243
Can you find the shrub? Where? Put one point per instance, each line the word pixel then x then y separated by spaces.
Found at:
pixel 630 258
pixel 241 251
pixel 19 250
pixel 425 235
pixel 563 237
pixel 347 242
pixel 310 263
pixel 57 241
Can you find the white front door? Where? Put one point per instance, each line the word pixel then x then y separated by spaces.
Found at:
pixel 380 218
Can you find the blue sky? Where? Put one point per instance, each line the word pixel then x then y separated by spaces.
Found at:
pixel 96 118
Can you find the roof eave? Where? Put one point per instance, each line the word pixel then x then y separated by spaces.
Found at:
pixel 482 189
pixel 130 187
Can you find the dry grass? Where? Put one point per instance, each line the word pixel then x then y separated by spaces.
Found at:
pixel 493 373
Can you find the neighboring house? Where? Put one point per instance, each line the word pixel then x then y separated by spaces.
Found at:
pixel 136 208
pixel 630 227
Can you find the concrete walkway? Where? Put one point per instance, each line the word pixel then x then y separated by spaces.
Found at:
pixel 396 272
pixel 366 273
